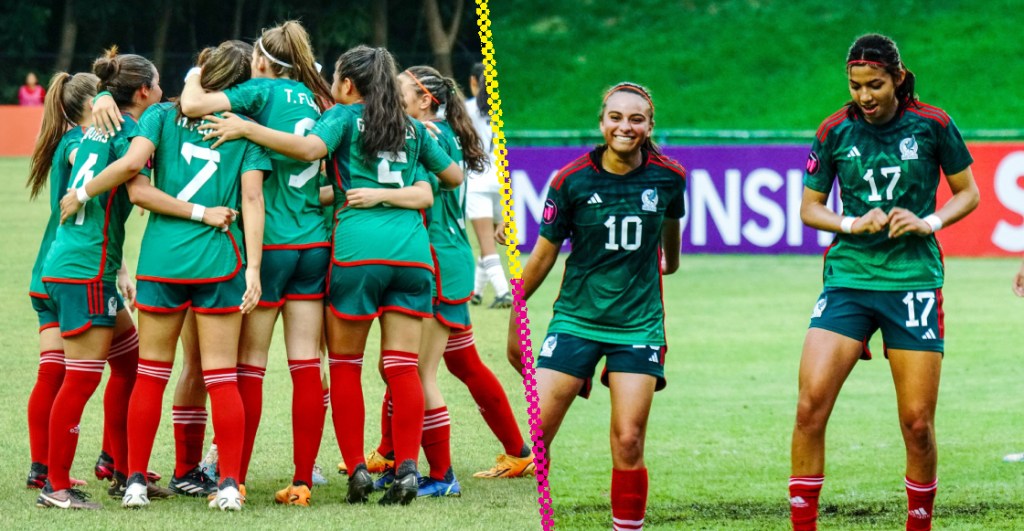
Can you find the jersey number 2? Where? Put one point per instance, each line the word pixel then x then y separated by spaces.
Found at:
pixel 631 226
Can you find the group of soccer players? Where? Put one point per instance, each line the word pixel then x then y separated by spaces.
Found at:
pixel 236 236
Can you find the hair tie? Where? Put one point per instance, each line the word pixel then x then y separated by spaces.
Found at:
pixel 259 42
pixel 413 76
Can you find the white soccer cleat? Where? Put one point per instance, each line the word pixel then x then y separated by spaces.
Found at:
pixel 1013 458
pixel 228 497
pixel 136 495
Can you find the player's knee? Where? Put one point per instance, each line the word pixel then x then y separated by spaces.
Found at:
pixel 811 414
pixel 628 445
pixel 459 365
pixel 919 431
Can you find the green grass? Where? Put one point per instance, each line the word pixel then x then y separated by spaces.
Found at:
pixel 747 64
pixel 718 439
pixel 484 505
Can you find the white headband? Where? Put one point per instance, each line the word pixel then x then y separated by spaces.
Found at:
pixel 259 42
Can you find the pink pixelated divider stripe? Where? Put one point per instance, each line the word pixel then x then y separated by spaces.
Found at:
pixel 515 267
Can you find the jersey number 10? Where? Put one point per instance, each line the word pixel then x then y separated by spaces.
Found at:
pixel 630 226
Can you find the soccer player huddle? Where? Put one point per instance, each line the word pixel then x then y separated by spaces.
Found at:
pixel 237 235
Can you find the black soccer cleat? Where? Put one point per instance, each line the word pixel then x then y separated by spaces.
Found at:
pixel 405 487
pixel 37 474
pixel 194 483
pixel 360 485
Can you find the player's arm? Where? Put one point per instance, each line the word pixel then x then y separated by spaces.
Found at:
pixel 126 287
pixel 542 259
pixel 451 177
pixel 307 148
pixel 415 197
pixel 117 173
pixel 326 195
pixel 671 240
pixel 253 213
pixel 143 194
pixel 106 116
pixel 965 199
pixel 814 212
pixel 196 102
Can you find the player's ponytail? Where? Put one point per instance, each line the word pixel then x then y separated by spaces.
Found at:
pixel 880 51
pixel 372 73
pixel 444 94
pixel 290 55
pixel 64 107
pixel 122 75
pixel 634 88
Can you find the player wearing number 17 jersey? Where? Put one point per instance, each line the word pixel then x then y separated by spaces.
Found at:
pixel 884 270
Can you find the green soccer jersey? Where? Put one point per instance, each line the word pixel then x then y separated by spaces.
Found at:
pixel 291 194
pixel 60 175
pixel 181 250
pixel 382 234
pixel 896 164
pixel 87 247
pixel 611 290
pixel 448 230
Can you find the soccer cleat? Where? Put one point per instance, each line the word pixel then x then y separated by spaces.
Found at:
pixel 502 302
pixel 294 495
pixel 360 485
pixel 229 496
pixel 508 466
pixel 476 299
pixel 136 493
pixel 318 476
pixel 209 464
pixel 65 499
pixel 193 483
pixel 377 463
pixel 104 468
pixel 342 468
pixel 385 480
pixel 37 473
pixel 434 488
pixel 405 487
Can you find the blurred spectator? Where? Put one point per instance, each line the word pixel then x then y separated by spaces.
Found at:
pixel 31 93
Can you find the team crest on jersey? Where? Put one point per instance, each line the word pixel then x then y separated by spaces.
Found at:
pixel 908 148
pixel 549 346
pixel 550 211
pixel 819 307
pixel 813 163
pixel 112 306
pixel 649 200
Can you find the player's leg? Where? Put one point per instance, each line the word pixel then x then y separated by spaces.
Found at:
pixel 400 342
pixel 48 382
pixel 436 437
pixel 346 342
pixel 556 391
pixel 253 351
pixel 631 397
pixel 190 418
pixel 123 360
pixel 916 377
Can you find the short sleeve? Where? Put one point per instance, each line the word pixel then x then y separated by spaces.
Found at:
pixel 248 98
pixel 150 126
pixel 953 154
pixel 432 156
pixel 675 208
pixel 255 158
pixel 69 146
pixel 556 221
pixel 820 170
pixel 331 126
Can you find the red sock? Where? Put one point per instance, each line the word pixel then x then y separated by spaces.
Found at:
pixel 189 432
pixel 347 409
pixel 323 416
pixel 81 378
pixel 436 441
pixel 124 365
pixel 629 499
pixel 386 445
pixel 464 362
pixel 803 501
pixel 228 419
pixel 250 388
pixel 48 381
pixel 144 412
pixel 920 502
pixel 307 417
pixel 407 403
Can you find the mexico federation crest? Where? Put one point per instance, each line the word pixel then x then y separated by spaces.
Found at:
pixel 549 346
pixel 813 163
pixel 550 211
pixel 112 306
pixel 908 148
pixel 819 307
pixel 649 200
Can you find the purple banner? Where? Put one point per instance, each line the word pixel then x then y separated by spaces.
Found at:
pixel 739 199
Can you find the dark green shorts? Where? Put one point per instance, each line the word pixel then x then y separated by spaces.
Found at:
pixel 579 357
pixel 211 297
pixel 454 316
pixel 293 274
pixel 366 291
pixel 79 307
pixel 909 320
pixel 46 310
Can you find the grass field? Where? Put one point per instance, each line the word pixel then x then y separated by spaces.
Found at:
pixel 718 439
pixel 484 505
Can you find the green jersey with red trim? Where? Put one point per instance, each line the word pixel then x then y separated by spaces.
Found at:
pixel 896 164
pixel 181 250
pixel 448 230
pixel 87 247
pixel 60 175
pixel 611 290
pixel 291 194
pixel 381 234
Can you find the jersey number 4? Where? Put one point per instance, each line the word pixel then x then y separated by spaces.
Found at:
pixel 892 173
pixel 631 230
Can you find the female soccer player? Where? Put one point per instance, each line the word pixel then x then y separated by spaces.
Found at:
pixel 620 206
pixel 185 264
pixel 884 270
pixel 381 262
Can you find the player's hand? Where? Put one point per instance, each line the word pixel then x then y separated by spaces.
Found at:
pixel 127 289
pixel 253 290
pixel 1018 283
pixel 106 117
pixel 364 197
pixel 69 205
pixel 499 234
pixel 432 128
pixel 220 217
pixel 903 221
pixel 874 221
pixel 512 351
pixel 230 127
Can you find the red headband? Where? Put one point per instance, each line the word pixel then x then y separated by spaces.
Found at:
pixel 413 76
pixel 631 88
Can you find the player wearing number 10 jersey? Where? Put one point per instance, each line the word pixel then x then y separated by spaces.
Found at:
pixel 884 270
